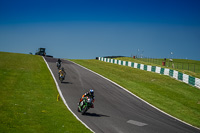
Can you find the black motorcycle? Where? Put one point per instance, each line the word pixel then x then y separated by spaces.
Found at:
pixel 58 65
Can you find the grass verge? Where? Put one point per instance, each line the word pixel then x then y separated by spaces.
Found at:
pixel 28 98
pixel 172 96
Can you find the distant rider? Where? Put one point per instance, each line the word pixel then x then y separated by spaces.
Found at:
pixel 88 94
pixel 59 62
pixel 62 73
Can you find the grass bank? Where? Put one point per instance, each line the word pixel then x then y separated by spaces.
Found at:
pixel 172 96
pixel 28 98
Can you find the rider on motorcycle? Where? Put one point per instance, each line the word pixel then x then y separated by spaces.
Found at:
pixel 88 94
pixel 59 62
pixel 62 73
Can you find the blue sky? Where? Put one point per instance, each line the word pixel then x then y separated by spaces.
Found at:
pixel 85 29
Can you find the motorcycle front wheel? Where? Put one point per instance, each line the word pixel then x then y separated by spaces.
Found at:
pixel 84 110
pixel 78 109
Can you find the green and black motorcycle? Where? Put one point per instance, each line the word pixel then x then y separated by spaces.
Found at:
pixel 85 105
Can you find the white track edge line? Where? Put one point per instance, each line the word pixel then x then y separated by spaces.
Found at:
pixel 60 93
pixel 137 97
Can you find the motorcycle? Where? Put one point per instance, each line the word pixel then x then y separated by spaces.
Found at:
pixel 84 105
pixel 61 78
pixel 58 65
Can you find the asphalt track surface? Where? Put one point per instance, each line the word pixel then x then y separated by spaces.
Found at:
pixel 115 110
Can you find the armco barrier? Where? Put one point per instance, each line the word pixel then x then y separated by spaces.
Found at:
pixel 165 71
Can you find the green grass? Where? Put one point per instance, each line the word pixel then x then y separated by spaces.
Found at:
pixel 190 67
pixel 172 96
pixel 28 98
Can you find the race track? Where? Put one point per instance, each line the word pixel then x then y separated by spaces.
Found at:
pixel 115 110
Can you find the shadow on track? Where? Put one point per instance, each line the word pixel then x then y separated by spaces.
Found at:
pixel 95 115
pixel 66 83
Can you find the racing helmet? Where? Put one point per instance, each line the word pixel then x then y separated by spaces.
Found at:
pixel 91 92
